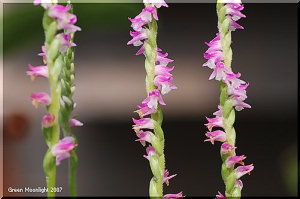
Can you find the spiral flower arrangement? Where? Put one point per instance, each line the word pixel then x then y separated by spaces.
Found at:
pixel 233 94
pixel 58 58
pixel 158 83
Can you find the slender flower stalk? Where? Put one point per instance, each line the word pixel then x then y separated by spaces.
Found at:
pixel 58 23
pixel 158 82
pixel 233 94
pixel 67 103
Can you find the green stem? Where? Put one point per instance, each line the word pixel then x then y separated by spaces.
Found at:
pixel 72 173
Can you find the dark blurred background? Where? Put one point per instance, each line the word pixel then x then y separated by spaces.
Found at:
pixel 110 83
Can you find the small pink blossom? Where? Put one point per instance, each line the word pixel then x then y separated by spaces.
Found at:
pixel 242 170
pixel 144 123
pixel 37 71
pixel 214 122
pixel 65 42
pixel 173 196
pixel 161 59
pixel 220 196
pixel 143 18
pixel 167 177
pixel 232 160
pixel 144 136
pixel 48 120
pixel 65 20
pixel 217 135
pixel 218 113
pixel 63 149
pixel 164 84
pixel 44 3
pixel 163 70
pixel 150 151
pixel 227 148
pixel 43 54
pixel 153 99
pixel 75 122
pixel 40 98
pixel 219 72
pixel 156 3
pixel 145 110
pixel 137 37
pixel 239 105
pixel 239 183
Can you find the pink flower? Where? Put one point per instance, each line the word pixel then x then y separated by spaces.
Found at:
pixel 239 105
pixel 144 136
pixel 153 99
pixel 177 195
pixel 163 70
pixel 145 110
pixel 141 50
pixel 227 148
pixel 43 54
pixel 220 196
pixel 164 84
pixel 232 79
pixel 144 123
pixel 143 18
pixel 150 151
pixel 214 45
pixel 156 3
pixel 234 11
pixel 40 98
pixel 44 3
pixel 48 120
pixel 218 113
pixel 37 71
pixel 137 37
pixel 75 122
pixel 217 135
pixel 63 149
pixel 65 20
pixel 239 183
pixel 167 178
pixel 219 72
pixel 214 122
pixel 58 11
pixel 242 170
pixel 232 160
pixel 65 42
pixel 214 54
pixel 161 59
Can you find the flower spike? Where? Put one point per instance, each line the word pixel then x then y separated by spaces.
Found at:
pixel 159 81
pixel 232 97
